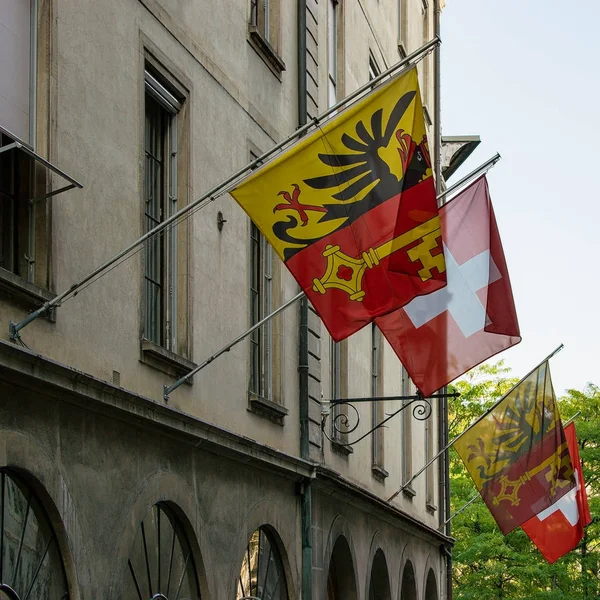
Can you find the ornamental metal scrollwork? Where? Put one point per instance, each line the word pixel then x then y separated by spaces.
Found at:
pixel 343 423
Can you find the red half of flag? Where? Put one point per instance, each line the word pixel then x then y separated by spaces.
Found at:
pixel 345 291
pixel 440 336
pixel 558 529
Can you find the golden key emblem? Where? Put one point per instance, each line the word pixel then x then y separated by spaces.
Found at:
pixel 345 273
pixel 509 488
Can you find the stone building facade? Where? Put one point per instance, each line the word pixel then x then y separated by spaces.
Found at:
pixel 231 489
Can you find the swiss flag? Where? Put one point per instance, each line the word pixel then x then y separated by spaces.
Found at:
pixel 558 529
pixel 440 336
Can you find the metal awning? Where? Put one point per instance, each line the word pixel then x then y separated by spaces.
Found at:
pixel 21 146
pixel 455 151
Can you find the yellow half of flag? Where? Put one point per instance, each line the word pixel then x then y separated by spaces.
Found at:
pixel 350 164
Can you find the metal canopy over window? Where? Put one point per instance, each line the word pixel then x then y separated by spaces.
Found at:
pixel 11 143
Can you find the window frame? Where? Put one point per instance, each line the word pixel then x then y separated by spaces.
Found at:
pixel 377 407
pixel 264 34
pixel 162 90
pixel 163 331
pixel 261 305
pixel 30 139
pixel 34 506
pixel 406 435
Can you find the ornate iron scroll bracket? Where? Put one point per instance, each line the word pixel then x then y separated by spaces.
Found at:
pixel 344 423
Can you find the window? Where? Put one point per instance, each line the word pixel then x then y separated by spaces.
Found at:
pixel 373 69
pixel 406 426
pixel 265 33
pixel 339 389
pixel 429 474
pixel 160 202
pixel 377 408
pixel 17 215
pixel 402 28
pixel 25 212
pixel 161 563
pixel 427 59
pixel 24 216
pixel 17 74
pixel 30 562
pixel 262 576
pixel 261 305
pixel 260 17
pixel 332 52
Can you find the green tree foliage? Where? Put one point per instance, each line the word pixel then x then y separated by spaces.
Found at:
pixel 488 565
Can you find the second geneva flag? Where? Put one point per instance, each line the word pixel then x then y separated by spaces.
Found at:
pixel 341 201
pixel 517 454
pixel 441 336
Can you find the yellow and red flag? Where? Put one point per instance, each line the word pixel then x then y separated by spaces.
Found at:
pixel 341 201
pixel 559 528
pixel 517 455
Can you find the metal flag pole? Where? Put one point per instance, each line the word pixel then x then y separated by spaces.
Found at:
pixel 481 170
pixel 169 388
pixel 14 328
pixel 478 496
pixel 485 414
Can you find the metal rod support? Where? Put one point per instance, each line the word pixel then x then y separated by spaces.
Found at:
pixel 384 398
pixel 460 510
pixel 484 168
pixel 14 328
pixel 180 381
pixel 485 414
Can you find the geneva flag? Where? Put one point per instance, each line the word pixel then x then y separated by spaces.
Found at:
pixel 339 202
pixel 559 528
pixel 517 455
pixel 441 336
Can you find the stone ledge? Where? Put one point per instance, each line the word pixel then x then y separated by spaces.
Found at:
pixel 339 447
pixel 409 492
pixel 166 361
pixel 265 51
pixel 23 368
pixel 25 294
pixel 266 408
pixel 379 473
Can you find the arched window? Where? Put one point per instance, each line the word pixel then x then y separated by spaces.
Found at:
pixel 262 576
pixel 31 567
pixel 431 587
pixel 341 581
pixel 161 564
pixel 409 586
pixel 379 586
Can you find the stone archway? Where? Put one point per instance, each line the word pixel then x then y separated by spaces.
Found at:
pixel 341 579
pixel 408 590
pixel 379 582
pixel 431 592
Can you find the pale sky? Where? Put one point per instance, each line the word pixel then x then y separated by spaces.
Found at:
pixel 524 75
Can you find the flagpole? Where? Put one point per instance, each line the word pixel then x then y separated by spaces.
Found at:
pixel 480 170
pixel 460 510
pixel 485 414
pixel 168 389
pixel 478 496
pixel 14 328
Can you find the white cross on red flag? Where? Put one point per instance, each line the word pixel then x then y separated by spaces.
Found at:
pixel 558 529
pixel 440 336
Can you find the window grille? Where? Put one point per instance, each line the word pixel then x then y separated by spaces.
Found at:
pixel 261 305
pixel 160 202
pixel 30 562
